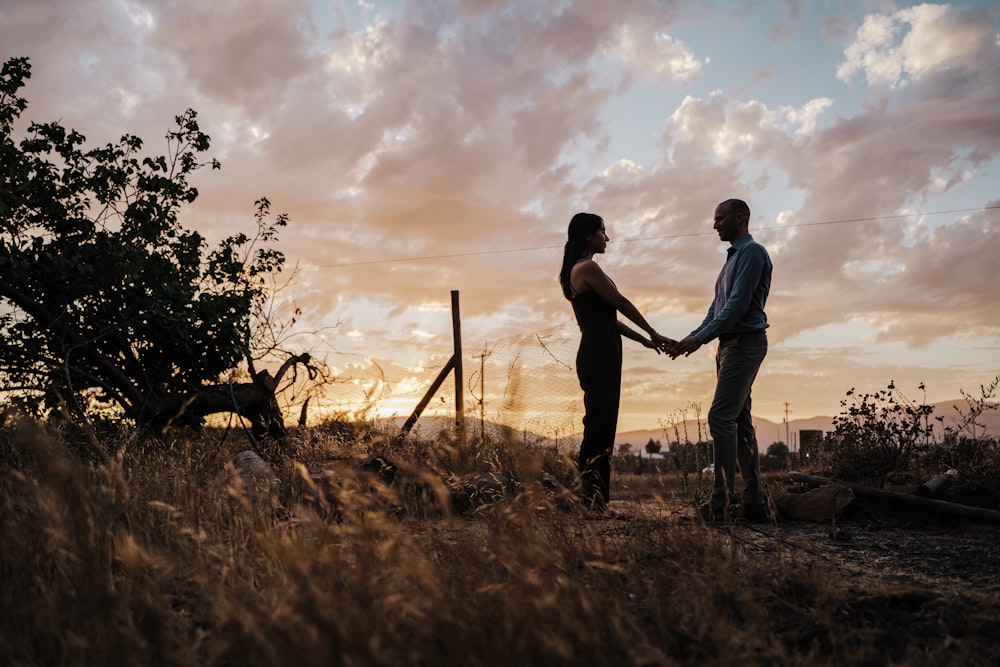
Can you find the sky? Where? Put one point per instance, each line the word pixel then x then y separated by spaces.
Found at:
pixel 426 147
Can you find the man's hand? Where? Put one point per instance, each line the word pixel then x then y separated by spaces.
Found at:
pixel 685 347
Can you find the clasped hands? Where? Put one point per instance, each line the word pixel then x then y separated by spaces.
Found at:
pixel 675 348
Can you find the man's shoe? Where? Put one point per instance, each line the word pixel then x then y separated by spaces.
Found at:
pixel 753 512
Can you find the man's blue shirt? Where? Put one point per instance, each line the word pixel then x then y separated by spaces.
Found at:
pixel 740 292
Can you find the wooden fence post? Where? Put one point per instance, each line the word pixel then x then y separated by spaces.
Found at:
pixel 456 328
pixel 455 363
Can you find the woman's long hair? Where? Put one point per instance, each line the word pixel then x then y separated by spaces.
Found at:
pixel 580 227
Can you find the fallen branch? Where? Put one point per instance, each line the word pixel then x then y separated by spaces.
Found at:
pixel 943 506
pixel 937 485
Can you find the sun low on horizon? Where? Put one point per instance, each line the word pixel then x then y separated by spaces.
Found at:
pixel 421 149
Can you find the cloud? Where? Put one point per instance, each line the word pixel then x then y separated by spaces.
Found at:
pixel 239 53
pixel 653 54
pixel 460 130
pixel 943 270
pixel 804 119
pixel 874 163
pixel 910 44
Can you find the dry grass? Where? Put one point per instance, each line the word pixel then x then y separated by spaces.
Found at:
pixel 145 559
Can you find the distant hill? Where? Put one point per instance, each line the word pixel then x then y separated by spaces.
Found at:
pixel 769 431
pixel 989 419
pixel 432 426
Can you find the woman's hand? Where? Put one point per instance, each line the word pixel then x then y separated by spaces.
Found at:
pixel 663 344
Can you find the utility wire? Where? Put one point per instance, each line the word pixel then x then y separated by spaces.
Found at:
pixel 649 238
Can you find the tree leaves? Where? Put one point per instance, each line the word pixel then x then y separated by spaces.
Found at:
pixel 103 291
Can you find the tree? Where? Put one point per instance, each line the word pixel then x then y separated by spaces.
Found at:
pixel 653 447
pixel 778 449
pixel 105 299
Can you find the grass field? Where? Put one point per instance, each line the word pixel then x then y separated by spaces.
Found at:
pixel 150 556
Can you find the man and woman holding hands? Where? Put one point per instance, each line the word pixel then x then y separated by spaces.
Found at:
pixel 735 318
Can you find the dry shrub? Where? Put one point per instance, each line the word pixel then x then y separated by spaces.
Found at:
pixel 876 434
pixel 976 462
pixel 145 560
pixel 885 439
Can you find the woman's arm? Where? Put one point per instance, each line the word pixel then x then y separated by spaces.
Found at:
pixel 630 333
pixel 589 275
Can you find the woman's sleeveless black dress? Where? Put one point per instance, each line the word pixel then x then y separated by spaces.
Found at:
pixel 599 369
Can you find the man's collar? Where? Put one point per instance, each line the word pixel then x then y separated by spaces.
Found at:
pixel 746 240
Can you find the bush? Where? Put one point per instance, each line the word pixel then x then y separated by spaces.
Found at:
pixel 876 434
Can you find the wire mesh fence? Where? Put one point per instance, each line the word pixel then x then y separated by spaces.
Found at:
pixel 523 384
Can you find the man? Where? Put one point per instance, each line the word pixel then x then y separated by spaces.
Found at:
pixel 736 317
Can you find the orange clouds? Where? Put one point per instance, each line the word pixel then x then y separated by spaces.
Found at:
pixel 449 130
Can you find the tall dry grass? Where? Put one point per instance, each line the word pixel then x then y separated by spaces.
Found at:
pixel 146 558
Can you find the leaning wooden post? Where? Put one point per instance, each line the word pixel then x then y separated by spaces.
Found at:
pixel 438 381
pixel 455 363
pixel 456 325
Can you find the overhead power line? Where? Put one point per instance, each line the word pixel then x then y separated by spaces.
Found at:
pixel 421 258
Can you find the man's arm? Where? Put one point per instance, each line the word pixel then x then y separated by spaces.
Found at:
pixel 691 342
pixel 749 268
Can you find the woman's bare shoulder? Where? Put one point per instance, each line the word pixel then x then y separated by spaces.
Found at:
pixel 586 265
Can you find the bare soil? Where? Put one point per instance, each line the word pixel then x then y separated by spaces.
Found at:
pixel 912 582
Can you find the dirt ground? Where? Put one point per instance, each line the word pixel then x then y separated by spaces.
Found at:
pixel 893 544
pixel 908 580
pixel 877 538
pixel 908 577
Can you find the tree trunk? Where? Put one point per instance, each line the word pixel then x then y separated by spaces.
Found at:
pixel 252 400
pixel 952 509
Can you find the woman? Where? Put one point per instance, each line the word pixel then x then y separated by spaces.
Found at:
pixel 596 304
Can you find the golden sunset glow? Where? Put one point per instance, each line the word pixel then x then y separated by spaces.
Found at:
pixel 420 148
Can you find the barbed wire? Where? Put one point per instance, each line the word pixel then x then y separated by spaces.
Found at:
pixel 525 382
pixel 503 251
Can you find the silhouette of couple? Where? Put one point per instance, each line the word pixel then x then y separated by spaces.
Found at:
pixel 736 318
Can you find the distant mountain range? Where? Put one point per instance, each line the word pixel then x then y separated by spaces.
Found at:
pixel 769 431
